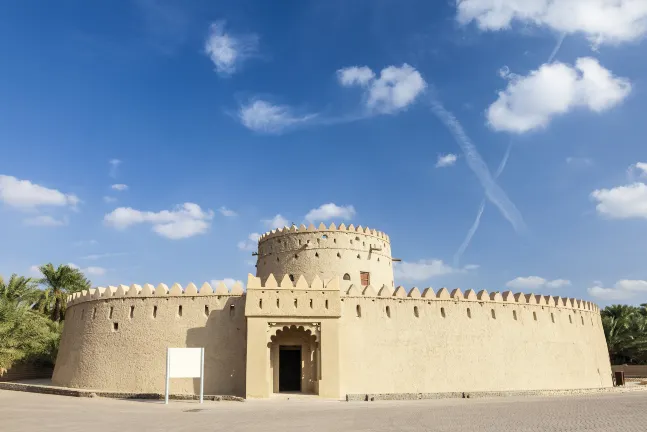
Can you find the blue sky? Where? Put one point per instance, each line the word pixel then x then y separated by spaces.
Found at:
pixel 148 141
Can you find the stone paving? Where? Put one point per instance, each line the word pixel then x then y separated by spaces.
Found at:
pixel 623 412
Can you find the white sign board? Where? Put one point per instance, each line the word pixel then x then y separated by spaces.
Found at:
pixel 185 363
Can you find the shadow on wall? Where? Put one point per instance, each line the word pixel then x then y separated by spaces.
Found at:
pixel 224 338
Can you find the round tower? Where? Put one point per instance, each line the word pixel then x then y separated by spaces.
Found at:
pixel 359 256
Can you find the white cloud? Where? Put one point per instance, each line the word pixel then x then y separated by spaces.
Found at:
pixel 622 290
pixel 277 221
pixel 227 51
pixel 446 160
pixel 183 221
pixel 251 244
pixel 330 211
pixel 114 167
pixel 94 257
pixel 622 202
pixel 263 116
pixel 109 199
pixel 230 282
pixel 530 102
pixel 45 220
pixel 395 89
pixel 602 21
pixel 94 271
pixel 227 212
pixel 35 271
pixel 579 161
pixel 355 76
pixel 637 171
pixel 24 194
pixel 85 243
pixel 536 282
pixel 119 187
pixel 425 269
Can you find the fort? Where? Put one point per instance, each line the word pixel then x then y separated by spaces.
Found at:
pixel 322 316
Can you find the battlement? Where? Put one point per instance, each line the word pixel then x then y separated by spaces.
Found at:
pixel 482 296
pixel 322 228
pixel 148 290
pixel 317 284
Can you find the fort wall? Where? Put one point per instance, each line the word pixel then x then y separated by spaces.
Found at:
pixel 399 342
pixel 116 338
pixel 326 252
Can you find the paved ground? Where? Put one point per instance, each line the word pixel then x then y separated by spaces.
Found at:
pixel 27 412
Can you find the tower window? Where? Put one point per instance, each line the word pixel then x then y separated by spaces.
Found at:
pixel 469 313
pixel 415 311
pixel 346 276
pixel 514 315
pixel 324 236
pixel 358 309
pixel 365 278
pixel 493 314
pixel 338 255
pixel 388 311
pixel 534 316
pixel 292 278
pixel 442 312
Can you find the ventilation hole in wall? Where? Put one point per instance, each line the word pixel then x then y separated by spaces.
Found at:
pixel 277 258
pixel 310 303
pixel 570 319
pixel 388 311
pixel 154 311
pixel 115 326
pixel 338 255
pixel 83 314
pixel 132 311
pixel 469 313
pixel 334 240
pixel 326 304
pixel 232 311
pixel 591 321
pixel 292 278
pixel 581 317
pixel 316 254
pixel 363 243
pixel 318 241
pixel 324 236
pixel 534 316
pixel 260 304
pixel 94 314
pixel 299 242
pixel 179 310
pixel 514 315
pixel 358 309
pixel 296 304
pixel 206 310
pixel 351 242
pixel 357 238
pixel 552 317
pixel 358 257
pixel 308 241
pixel 278 303
pixel 378 259
pixel 346 276
pixel 442 312
pixel 493 313
pixel 415 311
pixel 110 314
pixel 295 256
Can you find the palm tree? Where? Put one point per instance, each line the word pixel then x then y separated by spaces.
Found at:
pixel 58 283
pixel 625 328
pixel 20 290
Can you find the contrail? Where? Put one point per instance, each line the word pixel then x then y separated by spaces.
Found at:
pixel 504 161
pixel 479 213
pixel 560 41
pixel 493 192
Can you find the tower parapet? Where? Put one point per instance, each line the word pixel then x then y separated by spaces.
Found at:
pixel 357 255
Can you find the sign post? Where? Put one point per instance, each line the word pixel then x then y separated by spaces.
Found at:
pixel 184 363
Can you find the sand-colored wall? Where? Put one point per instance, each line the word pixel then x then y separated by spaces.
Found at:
pixel 326 252
pixel 417 350
pixel 93 355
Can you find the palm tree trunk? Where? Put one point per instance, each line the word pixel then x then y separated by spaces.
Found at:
pixel 56 313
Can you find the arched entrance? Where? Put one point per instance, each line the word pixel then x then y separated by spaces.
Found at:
pixel 294 360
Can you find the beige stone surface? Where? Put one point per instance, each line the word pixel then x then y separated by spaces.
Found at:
pixel 354 339
pixel 599 413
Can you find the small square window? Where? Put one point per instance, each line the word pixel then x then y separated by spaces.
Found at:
pixel 365 278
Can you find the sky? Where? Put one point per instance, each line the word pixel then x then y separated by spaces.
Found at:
pixel 499 143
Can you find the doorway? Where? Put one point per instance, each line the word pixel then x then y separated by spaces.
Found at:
pixel 289 368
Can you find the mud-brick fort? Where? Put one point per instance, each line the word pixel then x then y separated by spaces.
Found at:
pixel 322 316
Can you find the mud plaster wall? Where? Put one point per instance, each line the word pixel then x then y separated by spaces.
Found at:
pixel 405 353
pixel 93 355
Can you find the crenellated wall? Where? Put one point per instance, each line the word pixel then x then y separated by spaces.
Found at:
pixel 354 341
pixel 399 342
pixel 326 252
pixel 116 338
